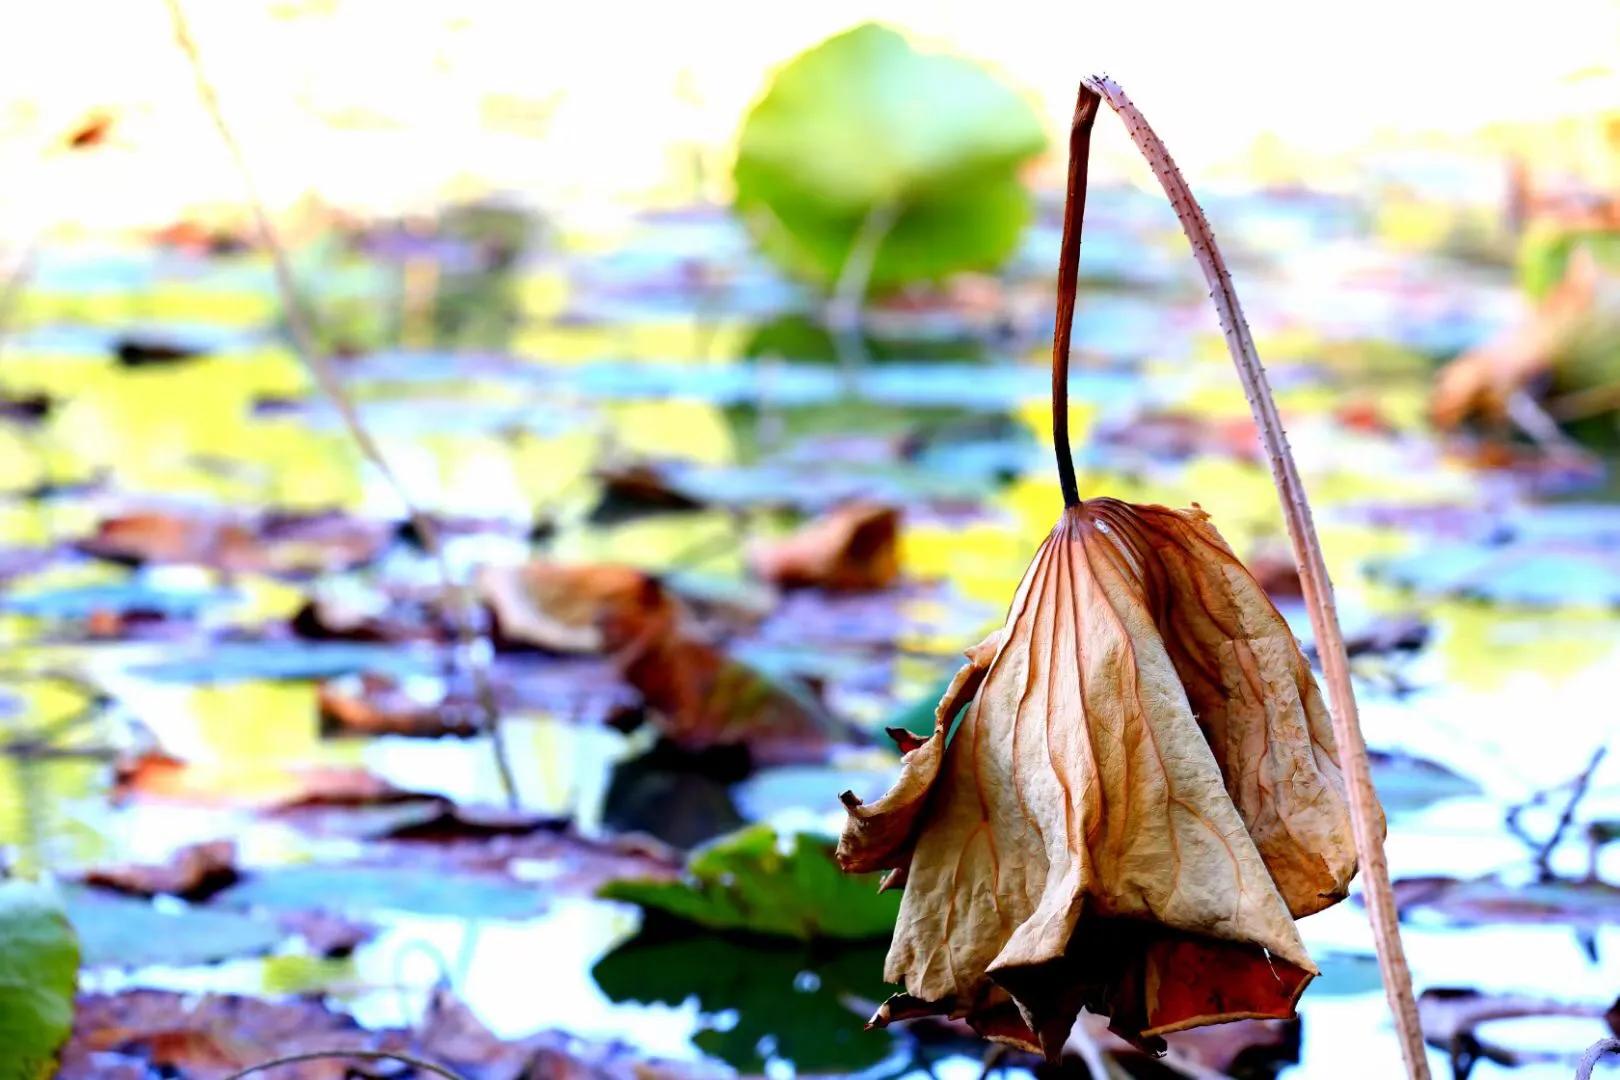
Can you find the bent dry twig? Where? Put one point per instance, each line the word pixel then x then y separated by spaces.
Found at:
pixel 1313 574
pixel 301 328
pixel 1596 1052
pixel 357 1055
pixel 1542 849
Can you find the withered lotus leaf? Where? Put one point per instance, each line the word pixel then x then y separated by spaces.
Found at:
pixel 1139 800
pixel 853 548
pixel 593 608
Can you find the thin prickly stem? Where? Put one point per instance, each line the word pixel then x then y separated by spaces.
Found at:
pixel 1313 575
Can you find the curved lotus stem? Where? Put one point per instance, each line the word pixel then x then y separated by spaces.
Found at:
pixel 1313 573
pixel 1074 217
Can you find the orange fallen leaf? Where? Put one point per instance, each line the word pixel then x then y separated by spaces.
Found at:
pixel 1139 800
pixel 163 778
pixel 697 694
pixel 90 132
pixel 372 704
pixel 702 698
pixel 592 608
pixel 850 549
pixel 194 872
pixel 1481 383
pixel 275 543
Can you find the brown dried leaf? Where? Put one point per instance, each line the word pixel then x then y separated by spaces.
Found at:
pixel 851 549
pixel 194 872
pixel 701 698
pixel 574 609
pixel 275 543
pixel 1137 802
pixel 211 1036
pixel 90 132
pixel 371 704
pixel 1482 381
pixel 164 778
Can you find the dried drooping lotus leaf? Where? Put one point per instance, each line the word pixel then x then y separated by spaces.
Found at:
pixel 1137 802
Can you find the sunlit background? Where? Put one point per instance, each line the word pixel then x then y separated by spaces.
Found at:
pixel 577 336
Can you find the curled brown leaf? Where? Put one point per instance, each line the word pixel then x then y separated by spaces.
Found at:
pixel 1139 800
pixel 850 549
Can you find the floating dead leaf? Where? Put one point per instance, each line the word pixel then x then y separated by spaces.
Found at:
pixel 90 132
pixel 1492 900
pixel 701 698
pixel 635 488
pixel 139 351
pixel 853 548
pixel 327 934
pixel 25 408
pixel 331 618
pixel 444 821
pixel 1273 566
pixel 371 704
pixel 573 609
pixel 1137 803
pixel 451 1033
pixel 199 239
pixel 1483 382
pixel 1179 436
pixel 194 872
pixel 209 1037
pixel 274 543
pixel 162 777
pixel 564 859
pixel 201 1039
pixel 698 696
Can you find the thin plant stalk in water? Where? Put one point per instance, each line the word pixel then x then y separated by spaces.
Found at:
pixel 1307 548
pixel 415 1063
pixel 457 597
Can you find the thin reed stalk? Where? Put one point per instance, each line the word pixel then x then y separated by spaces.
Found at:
pixel 458 599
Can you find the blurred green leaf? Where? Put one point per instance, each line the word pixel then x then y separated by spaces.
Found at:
pixel 39 967
pixel 864 121
pixel 1545 251
pixel 757 882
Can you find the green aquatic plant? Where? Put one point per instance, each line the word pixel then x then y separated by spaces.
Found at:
pixel 39 968
pixel 866 150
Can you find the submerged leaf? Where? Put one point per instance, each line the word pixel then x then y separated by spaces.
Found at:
pixel 1139 801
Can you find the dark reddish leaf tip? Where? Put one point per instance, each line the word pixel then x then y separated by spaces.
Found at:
pixel 904 739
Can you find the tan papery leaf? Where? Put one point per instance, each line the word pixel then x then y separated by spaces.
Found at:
pixel 853 548
pixel 1137 803
pixel 591 608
